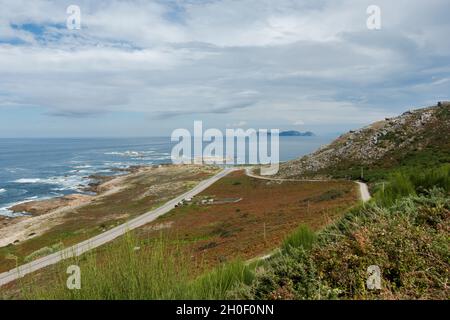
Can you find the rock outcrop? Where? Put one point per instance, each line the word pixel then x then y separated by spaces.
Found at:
pixel 381 144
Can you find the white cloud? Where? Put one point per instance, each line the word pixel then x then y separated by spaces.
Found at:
pixel 225 60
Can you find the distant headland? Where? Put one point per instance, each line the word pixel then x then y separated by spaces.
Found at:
pixel 293 133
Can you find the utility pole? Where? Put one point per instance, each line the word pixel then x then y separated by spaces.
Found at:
pixel 265 232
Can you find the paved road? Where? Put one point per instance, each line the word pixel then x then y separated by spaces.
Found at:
pixel 363 188
pixel 109 235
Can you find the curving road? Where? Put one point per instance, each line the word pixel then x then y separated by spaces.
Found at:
pixel 109 235
pixel 364 191
pixel 363 188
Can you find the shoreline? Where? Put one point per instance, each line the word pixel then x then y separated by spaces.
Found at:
pixel 47 214
pixel 45 205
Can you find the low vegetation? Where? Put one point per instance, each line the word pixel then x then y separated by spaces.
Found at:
pixel 414 141
pixel 408 241
pixel 303 237
pixel 404 183
pixel 45 251
pixel 212 236
pixel 133 195
pixel 404 231
pixel 123 272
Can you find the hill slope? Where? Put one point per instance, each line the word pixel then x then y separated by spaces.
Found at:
pixel 419 138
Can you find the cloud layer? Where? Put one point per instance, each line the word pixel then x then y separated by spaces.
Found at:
pixel 263 63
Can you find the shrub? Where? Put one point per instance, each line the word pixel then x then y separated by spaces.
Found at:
pixel 45 251
pixel 217 283
pixel 402 184
pixel 407 240
pixel 303 237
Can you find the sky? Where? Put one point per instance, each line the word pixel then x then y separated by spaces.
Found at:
pixel 146 68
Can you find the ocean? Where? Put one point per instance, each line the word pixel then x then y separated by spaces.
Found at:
pixel 32 169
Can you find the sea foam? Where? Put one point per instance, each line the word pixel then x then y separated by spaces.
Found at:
pixel 72 182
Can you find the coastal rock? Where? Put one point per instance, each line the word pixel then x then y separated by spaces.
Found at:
pixel 44 206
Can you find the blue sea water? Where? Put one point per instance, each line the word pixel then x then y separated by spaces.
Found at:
pixel 33 169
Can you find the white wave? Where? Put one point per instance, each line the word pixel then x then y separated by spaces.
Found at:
pixel 81 171
pixel 116 164
pixel 84 166
pixel 64 182
pixel 25 180
pixel 6 212
pixel 153 158
pixel 2 190
pixel 104 171
pixel 130 153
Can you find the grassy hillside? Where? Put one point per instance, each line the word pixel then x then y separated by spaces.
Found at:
pixel 123 272
pixel 407 240
pixel 415 140
pixel 404 232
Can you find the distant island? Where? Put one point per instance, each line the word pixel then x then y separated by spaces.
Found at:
pixel 293 133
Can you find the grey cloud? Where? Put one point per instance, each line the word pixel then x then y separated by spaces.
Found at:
pixel 225 108
pixel 296 57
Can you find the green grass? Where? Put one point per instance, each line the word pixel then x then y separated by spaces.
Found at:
pixel 122 271
pixel 404 183
pixel 45 251
pixel 303 237
pixel 407 240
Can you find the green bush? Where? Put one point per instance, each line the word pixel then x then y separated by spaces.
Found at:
pixel 45 251
pixel 286 277
pixel 408 241
pixel 303 237
pixel 217 283
pixel 402 184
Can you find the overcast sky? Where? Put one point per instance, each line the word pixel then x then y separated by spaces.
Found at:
pixel 140 68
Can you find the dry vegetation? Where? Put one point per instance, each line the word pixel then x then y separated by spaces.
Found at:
pixel 209 235
pixel 255 225
pixel 119 200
